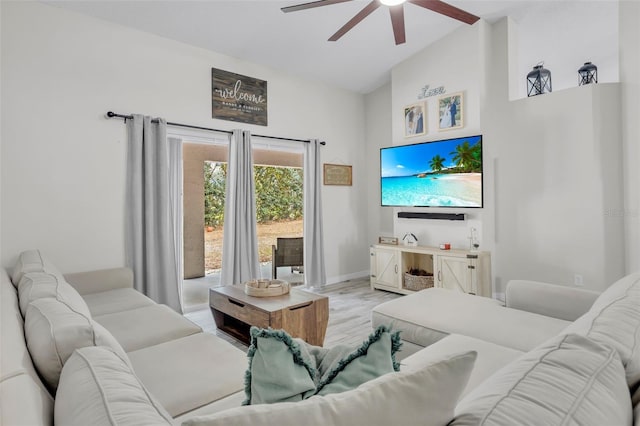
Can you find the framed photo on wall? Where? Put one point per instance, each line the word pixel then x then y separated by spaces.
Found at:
pixel 451 111
pixel 415 120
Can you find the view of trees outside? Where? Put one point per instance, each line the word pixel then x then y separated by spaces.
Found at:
pixel 278 208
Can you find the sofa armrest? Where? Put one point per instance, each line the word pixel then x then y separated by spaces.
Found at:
pixel 552 300
pixel 101 280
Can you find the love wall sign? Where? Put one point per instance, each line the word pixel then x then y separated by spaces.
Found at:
pixel 236 97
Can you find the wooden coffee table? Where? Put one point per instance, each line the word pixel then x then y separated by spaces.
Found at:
pixel 299 313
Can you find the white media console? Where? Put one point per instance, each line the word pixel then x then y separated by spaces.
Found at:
pixel 461 270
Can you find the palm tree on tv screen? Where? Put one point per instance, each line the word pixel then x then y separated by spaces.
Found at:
pixel 437 163
pixel 468 158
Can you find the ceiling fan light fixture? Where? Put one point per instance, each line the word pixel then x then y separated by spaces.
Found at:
pixel 392 2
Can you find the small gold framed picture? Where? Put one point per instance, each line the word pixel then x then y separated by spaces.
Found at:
pixel 337 174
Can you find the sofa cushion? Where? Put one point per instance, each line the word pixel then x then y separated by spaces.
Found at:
pixel 53 331
pixel 425 396
pixel 100 280
pixel 14 356
pixel 118 300
pixel 147 326
pixel 33 261
pixel 427 316
pixel 551 300
pixel 614 320
pixel 36 285
pixel 190 372
pixel 97 387
pixel 491 357
pixel 285 369
pixel 568 380
pixel 25 401
pixel 232 401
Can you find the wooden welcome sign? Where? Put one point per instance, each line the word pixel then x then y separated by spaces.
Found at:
pixel 236 97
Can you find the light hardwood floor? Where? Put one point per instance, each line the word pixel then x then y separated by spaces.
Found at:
pixel 350 305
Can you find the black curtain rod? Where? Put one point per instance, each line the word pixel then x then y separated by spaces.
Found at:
pixel 112 114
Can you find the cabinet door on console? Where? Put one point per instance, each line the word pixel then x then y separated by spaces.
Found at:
pixel 454 273
pixel 386 267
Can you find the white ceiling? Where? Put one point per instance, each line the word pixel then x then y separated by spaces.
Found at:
pixel 259 32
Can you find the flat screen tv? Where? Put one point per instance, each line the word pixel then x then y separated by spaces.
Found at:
pixel 446 173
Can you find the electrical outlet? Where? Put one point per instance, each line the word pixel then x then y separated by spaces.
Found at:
pixel 577 280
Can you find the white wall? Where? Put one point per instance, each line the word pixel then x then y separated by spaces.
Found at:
pixel 378 134
pixel 557 164
pixel 63 163
pixel 565 35
pixel 558 173
pixel 630 90
pixel 455 62
pixel 551 163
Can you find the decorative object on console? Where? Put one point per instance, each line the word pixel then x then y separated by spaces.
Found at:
pixel 473 239
pixel 410 239
pixel 587 74
pixel 418 279
pixel 538 80
pixel 337 174
pixel 415 120
pixel 445 246
pixel 388 240
pixel 451 111
pixel 266 288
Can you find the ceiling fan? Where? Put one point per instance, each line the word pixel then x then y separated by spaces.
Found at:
pixel 396 9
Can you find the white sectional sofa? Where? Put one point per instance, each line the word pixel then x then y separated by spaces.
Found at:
pixel 183 370
pixel 552 355
pixel 87 349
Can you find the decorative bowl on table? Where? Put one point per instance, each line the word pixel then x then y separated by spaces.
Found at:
pixel 266 288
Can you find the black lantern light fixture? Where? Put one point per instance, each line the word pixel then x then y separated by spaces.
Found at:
pixel 538 80
pixel 587 74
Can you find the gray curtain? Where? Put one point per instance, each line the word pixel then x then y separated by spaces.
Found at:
pixel 240 260
pixel 152 249
pixel 314 270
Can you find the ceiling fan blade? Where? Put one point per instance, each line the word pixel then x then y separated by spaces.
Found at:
pixel 447 10
pixel 397 21
pixel 356 19
pixel 311 5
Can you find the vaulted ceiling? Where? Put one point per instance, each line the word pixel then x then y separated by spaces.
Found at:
pixel 259 32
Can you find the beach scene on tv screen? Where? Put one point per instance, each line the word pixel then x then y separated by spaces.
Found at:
pixel 434 174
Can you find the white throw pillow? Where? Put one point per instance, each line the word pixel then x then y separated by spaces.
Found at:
pixel 36 285
pixel 614 320
pixel 423 397
pixel 53 331
pixel 569 380
pixel 32 261
pixel 97 387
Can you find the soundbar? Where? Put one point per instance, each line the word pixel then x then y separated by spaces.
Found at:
pixel 441 216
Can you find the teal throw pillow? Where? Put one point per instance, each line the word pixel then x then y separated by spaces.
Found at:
pixel 284 369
